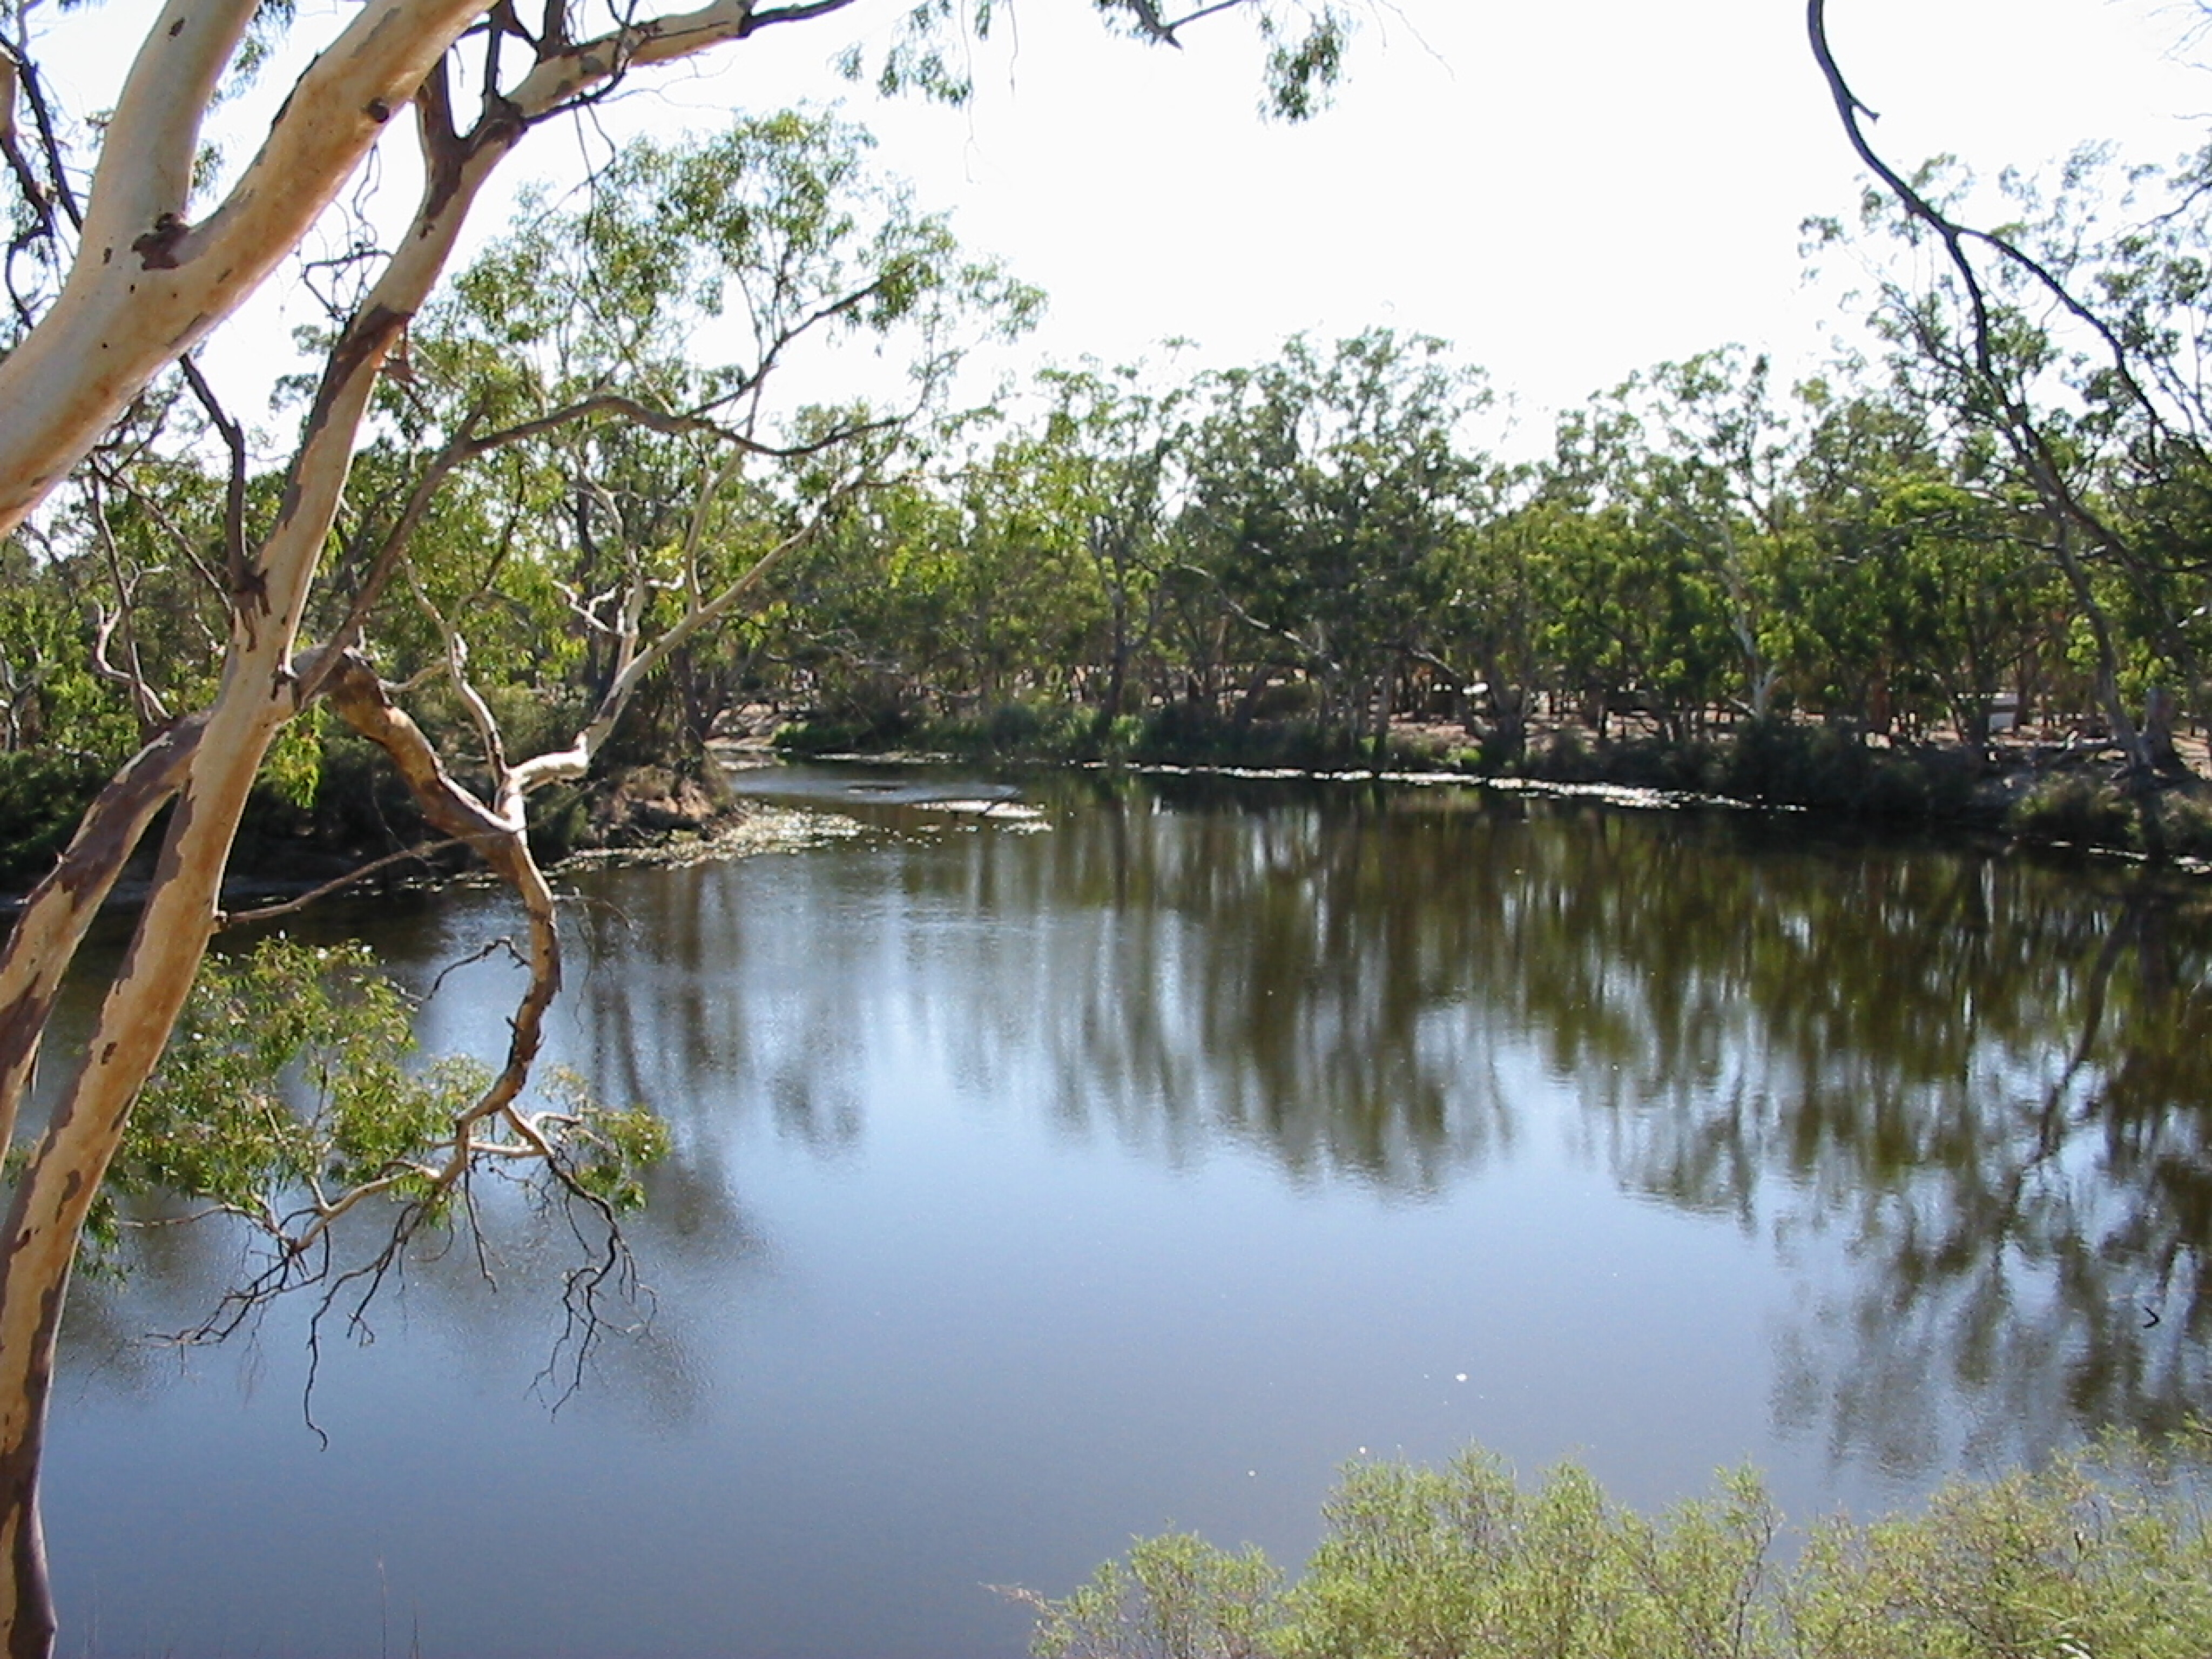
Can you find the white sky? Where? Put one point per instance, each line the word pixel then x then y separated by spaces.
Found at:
pixel 1566 191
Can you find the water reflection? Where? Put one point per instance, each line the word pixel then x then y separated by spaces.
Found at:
pixel 1962 1094
pixel 1024 1183
pixel 1966 1091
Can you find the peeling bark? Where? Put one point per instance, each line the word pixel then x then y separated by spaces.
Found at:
pixel 211 783
pixel 121 317
pixel 146 285
pixel 55 915
pixel 498 837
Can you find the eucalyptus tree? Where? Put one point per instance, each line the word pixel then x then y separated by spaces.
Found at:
pixel 1118 442
pixel 1639 619
pixel 52 697
pixel 2076 350
pixel 1716 477
pixel 1495 613
pixel 112 287
pixel 1934 594
pixel 974 585
pixel 557 362
pixel 617 376
pixel 1324 492
pixel 866 623
pixel 1987 378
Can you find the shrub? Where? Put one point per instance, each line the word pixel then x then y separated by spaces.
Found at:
pixel 2074 807
pixel 1021 730
pixel 1193 735
pixel 834 734
pixel 1287 700
pixel 42 796
pixel 2103 1553
pixel 559 821
pixel 1791 762
pixel 1564 759
pixel 1175 1597
pixel 2187 826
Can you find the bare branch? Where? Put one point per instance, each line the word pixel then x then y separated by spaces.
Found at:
pixel 152 716
pixel 1202 12
pixel 234 499
pixel 420 852
pixel 147 284
pixel 535 774
pixel 156 511
pixel 457 671
pixel 12 147
pixel 1955 236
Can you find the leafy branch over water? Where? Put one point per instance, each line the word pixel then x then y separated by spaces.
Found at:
pixel 287 1099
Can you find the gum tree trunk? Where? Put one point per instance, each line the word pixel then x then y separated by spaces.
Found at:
pixel 210 780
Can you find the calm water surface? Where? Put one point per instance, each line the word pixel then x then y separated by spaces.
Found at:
pixel 1037 1187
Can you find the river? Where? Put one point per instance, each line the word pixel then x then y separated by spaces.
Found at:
pixel 1137 1153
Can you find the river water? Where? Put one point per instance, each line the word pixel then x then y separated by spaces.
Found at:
pixel 1136 1153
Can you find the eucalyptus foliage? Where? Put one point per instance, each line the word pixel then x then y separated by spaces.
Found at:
pixel 292 1083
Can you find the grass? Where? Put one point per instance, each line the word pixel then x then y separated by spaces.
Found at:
pixel 2100 1555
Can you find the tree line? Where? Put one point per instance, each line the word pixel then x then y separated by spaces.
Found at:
pixel 1996 512
pixel 1941 534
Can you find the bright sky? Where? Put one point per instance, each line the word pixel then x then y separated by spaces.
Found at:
pixel 1566 191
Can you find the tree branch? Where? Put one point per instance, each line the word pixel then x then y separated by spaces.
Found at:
pixel 420 852
pixel 58 911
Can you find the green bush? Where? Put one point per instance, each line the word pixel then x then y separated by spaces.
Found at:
pixel 1016 730
pixel 836 734
pixel 1564 759
pixel 42 796
pixel 1192 734
pixel 358 808
pixel 2187 826
pixel 2081 807
pixel 559 821
pixel 290 1079
pixel 1797 763
pixel 1287 700
pixel 2104 1554
pixel 1176 1597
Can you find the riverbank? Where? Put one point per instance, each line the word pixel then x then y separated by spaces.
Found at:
pixel 2042 787
pixel 360 832
pixel 361 828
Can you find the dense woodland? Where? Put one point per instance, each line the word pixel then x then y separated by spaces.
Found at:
pixel 2001 503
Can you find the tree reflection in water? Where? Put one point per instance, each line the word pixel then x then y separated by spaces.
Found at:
pixel 1963 1093
pixel 1982 1074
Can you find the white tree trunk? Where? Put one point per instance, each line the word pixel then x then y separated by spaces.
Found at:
pixel 147 285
